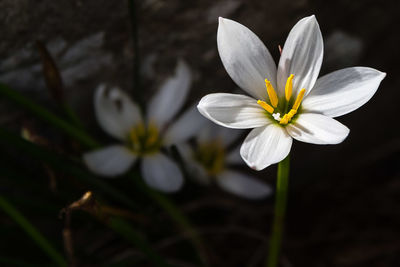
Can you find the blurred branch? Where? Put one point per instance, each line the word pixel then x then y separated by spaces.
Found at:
pixel 89 204
pixel 55 84
pixel 48 116
pixel 32 232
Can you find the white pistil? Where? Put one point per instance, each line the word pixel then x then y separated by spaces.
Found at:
pixel 277 116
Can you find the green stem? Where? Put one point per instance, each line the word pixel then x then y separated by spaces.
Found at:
pixel 48 116
pixel 280 210
pixel 36 236
pixel 136 60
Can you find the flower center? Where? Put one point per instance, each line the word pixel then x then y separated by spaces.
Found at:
pixel 273 98
pixel 211 156
pixel 144 139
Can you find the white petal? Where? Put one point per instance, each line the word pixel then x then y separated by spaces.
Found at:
pixel 343 91
pixel 185 127
pixel 245 58
pixel 301 56
pixel 109 161
pixel 162 173
pixel 243 185
pixel 233 111
pixel 265 146
pixel 115 112
pixel 234 157
pixel 317 129
pixel 171 96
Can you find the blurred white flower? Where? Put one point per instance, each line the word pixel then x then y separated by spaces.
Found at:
pixel 143 137
pixel 210 160
pixel 288 102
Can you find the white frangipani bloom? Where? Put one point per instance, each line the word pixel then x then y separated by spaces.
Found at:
pixel 144 137
pixel 286 102
pixel 210 160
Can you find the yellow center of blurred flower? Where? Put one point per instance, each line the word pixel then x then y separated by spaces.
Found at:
pixel 273 107
pixel 211 156
pixel 144 139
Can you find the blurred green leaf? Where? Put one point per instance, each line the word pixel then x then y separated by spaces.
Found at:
pixel 32 232
pixel 180 219
pixel 64 165
pixel 48 116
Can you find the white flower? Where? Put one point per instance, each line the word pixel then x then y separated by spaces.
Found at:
pixel 144 137
pixel 210 160
pixel 288 102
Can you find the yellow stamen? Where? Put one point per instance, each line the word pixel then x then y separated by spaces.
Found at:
pixel 271 93
pixel 212 156
pixel 284 120
pixel 288 87
pixel 144 139
pixel 299 98
pixel 152 136
pixel 265 106
pixel 287 117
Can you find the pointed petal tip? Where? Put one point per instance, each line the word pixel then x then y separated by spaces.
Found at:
pixel 252 165
pixel 182 64
pixel 311 17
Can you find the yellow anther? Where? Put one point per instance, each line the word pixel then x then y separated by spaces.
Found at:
pixel 288 87
pixel 299 98
pixel 152 136
pixel 265 106
pixel 271 93
pixel 212 156
pixel 284 120
pixel 291 113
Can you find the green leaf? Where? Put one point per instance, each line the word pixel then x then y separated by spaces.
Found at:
pixel 64 165
pixel 48 116
pixel 32 232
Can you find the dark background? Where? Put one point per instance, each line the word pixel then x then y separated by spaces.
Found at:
pixel 344 200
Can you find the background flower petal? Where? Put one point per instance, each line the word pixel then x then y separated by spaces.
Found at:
pixel 302 56
pixel 317 129
pixel 233 111
pixel 212 132
pixel 265 146
pixel 194 169
pixel 171 96
pixel 115 111
pixel 186 126
pixel 109 161
pixel 234 157
pixel 243 185
pixel 343 91
pixel 245 58
pixel 161 173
